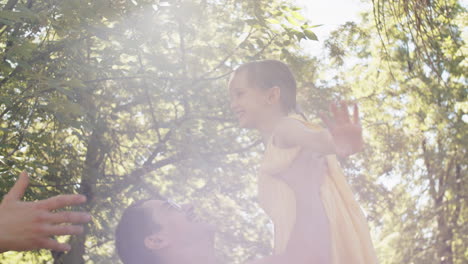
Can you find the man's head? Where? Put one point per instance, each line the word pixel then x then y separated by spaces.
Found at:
pixel 150 230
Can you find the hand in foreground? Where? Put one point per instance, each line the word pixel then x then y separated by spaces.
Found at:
pixel 345 130
pixel 30 225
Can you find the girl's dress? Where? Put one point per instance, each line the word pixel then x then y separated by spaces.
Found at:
pixel 351 242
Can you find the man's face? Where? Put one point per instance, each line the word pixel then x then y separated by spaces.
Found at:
pixel 179 224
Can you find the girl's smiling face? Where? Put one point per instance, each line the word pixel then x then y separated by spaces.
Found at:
pixel 249 103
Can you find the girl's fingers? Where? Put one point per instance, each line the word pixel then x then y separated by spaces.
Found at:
pixel 344 112
pixel 328 122
pixel 356 114
pixel 334 110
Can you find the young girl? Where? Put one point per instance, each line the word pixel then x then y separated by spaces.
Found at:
pixel 263 97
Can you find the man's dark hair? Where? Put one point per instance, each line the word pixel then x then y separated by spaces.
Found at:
pixel 136 224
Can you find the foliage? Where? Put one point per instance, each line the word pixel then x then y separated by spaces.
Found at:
pixel 409 63
pixel 121 100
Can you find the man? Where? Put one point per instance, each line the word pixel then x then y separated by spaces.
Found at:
pixel 160 232
pixel 30 225
pixel 175 237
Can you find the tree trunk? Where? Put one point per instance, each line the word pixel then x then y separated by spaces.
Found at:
pixel 94 159
pixel 444 239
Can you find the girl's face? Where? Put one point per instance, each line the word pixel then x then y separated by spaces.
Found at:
pixel 250 104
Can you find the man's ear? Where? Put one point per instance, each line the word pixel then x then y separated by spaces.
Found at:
pixel 156 242
pixel 274 95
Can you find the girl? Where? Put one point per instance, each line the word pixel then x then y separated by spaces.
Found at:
pixel 263 97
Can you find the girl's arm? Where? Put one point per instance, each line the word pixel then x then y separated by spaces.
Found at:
pixel 292 133
pixel 343 137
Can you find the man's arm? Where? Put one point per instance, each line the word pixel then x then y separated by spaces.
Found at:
pixel 29 225
pixel 310 240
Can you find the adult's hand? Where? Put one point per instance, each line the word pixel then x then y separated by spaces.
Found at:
pixel 346 130
pixel 310 239
pixel 30 225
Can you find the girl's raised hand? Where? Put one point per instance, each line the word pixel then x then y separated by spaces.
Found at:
pixel 345 129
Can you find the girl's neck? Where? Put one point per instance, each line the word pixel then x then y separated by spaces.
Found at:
pixel 268 125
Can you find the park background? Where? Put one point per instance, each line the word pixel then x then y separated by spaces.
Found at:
pixel 122 100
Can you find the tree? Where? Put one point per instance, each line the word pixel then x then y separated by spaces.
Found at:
pixel 409 65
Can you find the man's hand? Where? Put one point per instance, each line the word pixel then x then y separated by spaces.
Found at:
pixel 310 239
pixel 30 225
pixel 345 130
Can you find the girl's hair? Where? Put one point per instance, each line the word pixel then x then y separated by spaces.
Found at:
pixel 270 73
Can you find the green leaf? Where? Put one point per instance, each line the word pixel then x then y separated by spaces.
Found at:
pixel 297 16
pixel 272 21
pixel 6 21
pixel 310 35
pixel 293 21
pixel 299 35
pixel 314 26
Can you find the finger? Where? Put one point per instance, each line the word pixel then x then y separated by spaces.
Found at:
pixel 17 191
pixel 61 201
pixel 356 114
pixel 69 217
pixel 328 122
pixel 63 230
pixel 49 243
pixel 334 110
pixel 344 112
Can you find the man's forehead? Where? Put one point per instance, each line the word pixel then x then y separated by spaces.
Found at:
pixel 237 80
pixel 231 83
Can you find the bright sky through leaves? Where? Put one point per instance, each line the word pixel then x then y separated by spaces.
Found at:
pixel 330 14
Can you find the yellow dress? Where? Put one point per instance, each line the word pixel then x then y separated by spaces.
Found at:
pixel 351 242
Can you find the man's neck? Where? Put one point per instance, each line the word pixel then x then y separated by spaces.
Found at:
pixel 198 254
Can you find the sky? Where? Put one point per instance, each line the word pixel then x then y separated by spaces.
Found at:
pixel 330 14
